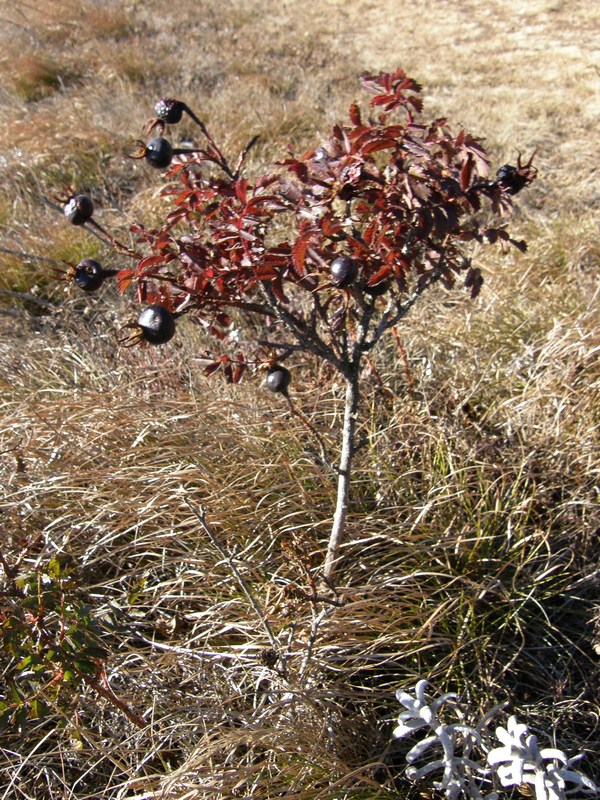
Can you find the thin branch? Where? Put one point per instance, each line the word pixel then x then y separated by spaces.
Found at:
pixel 305 335
pixel 108 694
pixel 10 312
pixel 195 655
pixel 28 298
pixel 286 347
pixel 114 242
pixel 243 155
pixel 218 157
pixel 297 413
pixel 312 638
pixel 255 308
pixel 390 319
pixel 201 517
pixel 31 257
pixel 106 238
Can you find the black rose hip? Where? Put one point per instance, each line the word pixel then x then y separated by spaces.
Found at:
pixel 157 324
pixel 278 379
pixel 343 271
pixel 79 209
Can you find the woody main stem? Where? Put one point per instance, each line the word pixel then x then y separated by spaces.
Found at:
pixel 344 474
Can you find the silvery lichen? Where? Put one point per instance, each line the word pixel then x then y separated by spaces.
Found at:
pixel 520 761
pixel 460 773
pixel 452 749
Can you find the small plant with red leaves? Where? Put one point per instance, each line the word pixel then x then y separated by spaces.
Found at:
pixel 326 252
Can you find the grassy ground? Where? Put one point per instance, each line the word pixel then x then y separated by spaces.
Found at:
pixel 473 551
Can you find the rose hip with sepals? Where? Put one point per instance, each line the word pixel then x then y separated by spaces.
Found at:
pixel 510 178
pixel 88 274
pixel 514 178
pixel 79 209
pixel 278 379
pixel 158 152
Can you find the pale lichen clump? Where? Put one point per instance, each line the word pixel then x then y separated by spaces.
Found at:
pixel 517 762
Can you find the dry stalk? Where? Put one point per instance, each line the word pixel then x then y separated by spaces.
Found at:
pixel 200 515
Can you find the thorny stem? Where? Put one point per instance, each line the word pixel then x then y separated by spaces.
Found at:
pixel 344 474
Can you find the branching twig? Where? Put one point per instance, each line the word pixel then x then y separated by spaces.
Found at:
pixel 200 515
pixel 314 631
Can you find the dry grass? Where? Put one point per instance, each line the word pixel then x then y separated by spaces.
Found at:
pixel 473 551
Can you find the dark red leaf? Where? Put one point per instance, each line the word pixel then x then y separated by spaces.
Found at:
pixel 241 187
pixel 355 114
pixel 466 172
pixel 299 254
pixel 474 280
pixel 379 276
pixel 149 261
pixel 520 244
pixel 297 167
pixel 265 272
pixel 212 368
pixel 381 144
pixel 238 369
pixel 482 161
pixel 331 227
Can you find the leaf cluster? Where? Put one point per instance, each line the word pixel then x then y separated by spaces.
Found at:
pixel 50 641
pixel 401 198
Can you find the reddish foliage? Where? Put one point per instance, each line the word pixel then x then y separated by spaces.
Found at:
pixel 401 197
